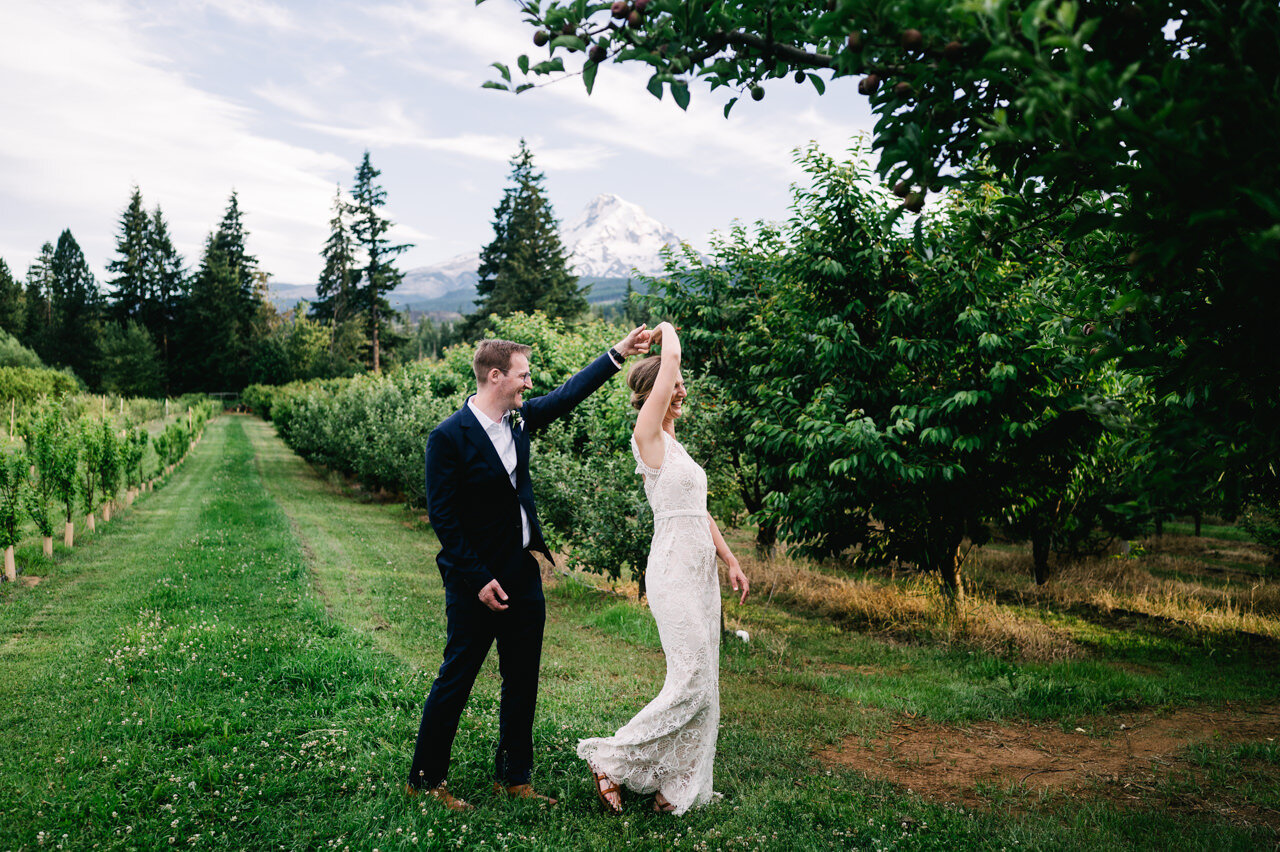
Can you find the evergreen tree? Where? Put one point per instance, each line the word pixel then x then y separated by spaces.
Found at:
pixel 12 302
pixel 39 313
pixel 131 286
pixel 379 275
pixel 525 268
pixel 335 294
pixel 76 308
pixel 168 289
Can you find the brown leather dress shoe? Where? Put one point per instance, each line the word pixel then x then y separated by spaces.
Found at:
pixel 442 795
pixel 521 791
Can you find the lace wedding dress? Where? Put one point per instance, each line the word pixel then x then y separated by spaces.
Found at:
pixel 670 745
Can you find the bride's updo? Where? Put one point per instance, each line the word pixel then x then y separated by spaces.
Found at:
pixel 640 379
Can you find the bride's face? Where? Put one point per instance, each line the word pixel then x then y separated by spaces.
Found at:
pixel 677 399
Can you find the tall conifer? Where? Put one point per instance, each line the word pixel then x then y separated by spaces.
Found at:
pixel 168 280
pixel 379 275
pixel 76 310
pixel 12 303
pixel 335 294
pixel 131 286
pixel 525 267
pixel 39 313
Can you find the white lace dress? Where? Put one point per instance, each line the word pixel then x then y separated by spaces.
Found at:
pixel 670 745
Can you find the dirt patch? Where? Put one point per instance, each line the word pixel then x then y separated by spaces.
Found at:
pixel 29 581
pixel 1119 757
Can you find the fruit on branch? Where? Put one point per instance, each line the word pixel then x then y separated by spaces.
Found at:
pixel 901 188
pixel 568 28
pixel 856 40
pixel 800 78
pixel 541 37
pixel 641 5
pixel 914 202
pixel 636 18
pixel 903 90
pixel 868 84
pixel 620 8
pixel 757 93
pixel 598 53
pixel 912 39
pixel 953 51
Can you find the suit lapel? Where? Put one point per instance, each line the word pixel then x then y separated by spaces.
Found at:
pixel 480 439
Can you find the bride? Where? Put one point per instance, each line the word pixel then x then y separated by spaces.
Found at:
pixel 669 747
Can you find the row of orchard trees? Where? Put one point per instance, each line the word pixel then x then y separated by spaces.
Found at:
pixel 857 389
pixel 74 466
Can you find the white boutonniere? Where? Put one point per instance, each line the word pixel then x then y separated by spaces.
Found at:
pixel 517 422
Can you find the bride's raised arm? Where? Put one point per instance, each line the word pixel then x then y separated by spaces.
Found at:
pixel 648 430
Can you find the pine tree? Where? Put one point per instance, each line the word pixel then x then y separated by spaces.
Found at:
pixel 39 314
pixel 168 281
pixel 335 294
pixel 12 303
pixel 131 286
pixel 379 275
pixel 525 268
pixel 76 308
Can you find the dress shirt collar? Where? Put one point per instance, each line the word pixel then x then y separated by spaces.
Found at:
pixel 485 421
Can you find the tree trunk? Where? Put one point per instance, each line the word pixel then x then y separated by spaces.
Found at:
pixel 1159 527
pixel 10 570
pixel 106 512
pixel 942 556
pixel 69 534
pixel 767 540
pixel 1196 517
pixel 1040 556
pixel 643 590
pixel 90 524
pixel 48 546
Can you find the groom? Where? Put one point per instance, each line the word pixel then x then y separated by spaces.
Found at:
pixel 480 500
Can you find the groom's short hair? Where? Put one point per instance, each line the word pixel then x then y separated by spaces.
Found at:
pixel 495 354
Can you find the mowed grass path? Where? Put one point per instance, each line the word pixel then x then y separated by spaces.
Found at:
pixel 239 663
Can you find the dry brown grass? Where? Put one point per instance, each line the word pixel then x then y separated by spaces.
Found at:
pixel 909 609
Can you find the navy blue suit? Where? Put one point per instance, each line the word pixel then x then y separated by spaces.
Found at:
pixel 476 516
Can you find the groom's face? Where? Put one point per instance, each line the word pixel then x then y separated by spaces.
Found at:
pixel 516 380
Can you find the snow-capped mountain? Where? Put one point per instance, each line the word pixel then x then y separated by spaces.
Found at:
pixel 610 238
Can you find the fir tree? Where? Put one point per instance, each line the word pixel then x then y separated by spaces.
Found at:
pixel 335 294
pixel 379 275
pixel 76 308
pixel 131 286
pixel 130 364
pixel 168 289
pixel 525 267
pixel 39 314
pixel 12 302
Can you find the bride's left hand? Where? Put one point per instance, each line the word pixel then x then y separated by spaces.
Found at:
pixel 738 580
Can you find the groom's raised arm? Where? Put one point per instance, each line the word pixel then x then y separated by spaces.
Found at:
pixel 540 411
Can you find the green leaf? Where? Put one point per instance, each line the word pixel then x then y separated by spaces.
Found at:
pixel 680 92
pixel 522 87
pixel 523 61
pixel 503 70
pixel 570 41
pixel 655 86
pixel 589 75
pixel 729 106
pixel 818 84
pixel 494 84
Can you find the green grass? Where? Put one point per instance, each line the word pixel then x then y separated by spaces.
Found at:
pixel 239 662
pixel 1222 531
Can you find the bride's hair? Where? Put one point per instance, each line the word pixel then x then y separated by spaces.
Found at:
pixel 640 379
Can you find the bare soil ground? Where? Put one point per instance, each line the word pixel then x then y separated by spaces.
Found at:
pixel 1123 758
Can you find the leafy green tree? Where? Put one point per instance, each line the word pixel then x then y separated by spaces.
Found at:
pixel 45 436
pixel 110 462
pixel 130 365
pixel 13 486
pixel 12 302
pixel 132 450
pixel 1061 99
pixel 14 354
pixel 131 286
pixel 525 267
pixel 76 309
pixel 93 452
pixel 379 276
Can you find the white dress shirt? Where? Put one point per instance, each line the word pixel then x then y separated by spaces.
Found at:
pixel 504 442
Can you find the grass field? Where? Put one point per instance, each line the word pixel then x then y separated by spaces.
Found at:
pixel 239 661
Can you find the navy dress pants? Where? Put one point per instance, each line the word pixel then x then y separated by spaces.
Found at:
pixel 472 629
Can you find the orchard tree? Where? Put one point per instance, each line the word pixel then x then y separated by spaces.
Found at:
pixel 1170 110
pixel 378 276
pixel 525 268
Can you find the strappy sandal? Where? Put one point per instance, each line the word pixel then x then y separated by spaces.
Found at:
pixel 604 786
pixel 661 805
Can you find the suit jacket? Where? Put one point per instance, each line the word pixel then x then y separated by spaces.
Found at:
pixel 472 506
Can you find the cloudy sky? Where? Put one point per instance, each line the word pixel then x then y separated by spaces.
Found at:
pixel 189 100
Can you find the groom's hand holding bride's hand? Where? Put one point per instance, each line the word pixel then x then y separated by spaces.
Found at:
pixel 492 596
pixel 635 343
